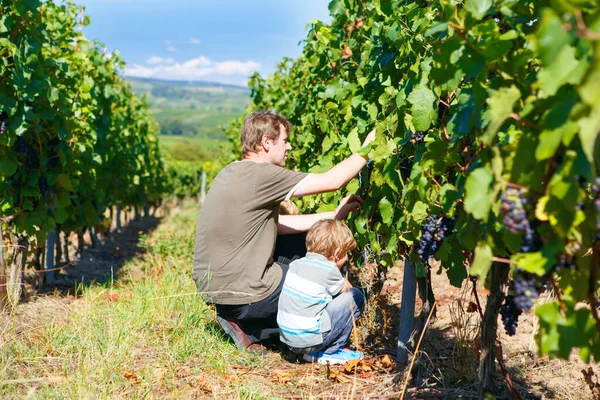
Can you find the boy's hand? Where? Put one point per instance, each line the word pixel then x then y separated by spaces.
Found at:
pixel 348 204
pixel 347 287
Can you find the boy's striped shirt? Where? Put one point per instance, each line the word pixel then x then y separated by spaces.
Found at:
pixel 310 284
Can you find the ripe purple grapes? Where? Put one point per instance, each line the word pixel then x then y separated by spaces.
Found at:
pixel 44 188
pixel 515 217
pixel 418 137
pixel 3 118
pixel 527 289
pixel 364 177
pixel 510 313
pixel 432 235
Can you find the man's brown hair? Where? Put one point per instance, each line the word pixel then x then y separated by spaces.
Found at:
pixel 259 124
pixel 329 236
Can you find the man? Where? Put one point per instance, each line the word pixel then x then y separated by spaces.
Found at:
pixel 239 222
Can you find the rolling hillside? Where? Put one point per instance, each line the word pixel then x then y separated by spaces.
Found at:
pixel 192 109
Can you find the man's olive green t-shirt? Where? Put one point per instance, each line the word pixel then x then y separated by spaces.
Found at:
pixel 236 232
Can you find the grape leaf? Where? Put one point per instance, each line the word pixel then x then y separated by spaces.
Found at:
pixel 478 193
pixel 423 107
pixel 482 260
pixel 478 8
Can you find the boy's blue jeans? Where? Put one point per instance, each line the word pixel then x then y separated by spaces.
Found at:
pixel 343 311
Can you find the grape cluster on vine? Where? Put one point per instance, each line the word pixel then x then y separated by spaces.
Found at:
pixel 364 177
pixel 23 148
pixel 568 259
pixel 3 118
pixel 515 217
pixel 418 137
pixel 510 313
pixel 527 288
pixel 44 188
pixel 432 235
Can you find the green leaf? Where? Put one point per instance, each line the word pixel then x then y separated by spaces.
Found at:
pixel 536 263
pixel 387 210
pixel 354 141
pixel 478 8
pixel 478 193
pixel 457 272
pixel 336 7
pixel 551 37
pixel 501 105
pixel 482 260
pixel 8 167
pixel 62 180
pixel 437 28
pixel 419 212
pixel 550 140
pixel 588 134
pixel 424 111
pixel 558 73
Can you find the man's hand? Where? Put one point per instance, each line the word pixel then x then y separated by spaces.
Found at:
pixel 348 204
pixel 370 137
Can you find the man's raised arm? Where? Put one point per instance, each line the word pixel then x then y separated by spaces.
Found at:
pixel 337 176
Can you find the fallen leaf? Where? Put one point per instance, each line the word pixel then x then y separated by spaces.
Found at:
pixel 132 376
pixel 351 365
pixel 204 384
pixel 112 297
pixel 339 377
pixel 387 362
pixel 367 375
pixel 281 377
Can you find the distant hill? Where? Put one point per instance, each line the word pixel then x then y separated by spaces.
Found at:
pixel 192 109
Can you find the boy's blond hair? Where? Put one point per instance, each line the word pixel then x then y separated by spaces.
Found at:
pixel 329 236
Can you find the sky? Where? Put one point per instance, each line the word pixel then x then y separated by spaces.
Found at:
pixel 215 41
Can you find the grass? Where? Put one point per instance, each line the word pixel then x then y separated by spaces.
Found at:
pixel 143 334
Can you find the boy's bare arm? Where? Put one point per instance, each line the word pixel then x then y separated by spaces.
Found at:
pixel 289 224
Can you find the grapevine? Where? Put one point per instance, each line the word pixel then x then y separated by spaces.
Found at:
pixel 508 97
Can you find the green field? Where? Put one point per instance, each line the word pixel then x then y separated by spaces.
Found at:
pixel 195 110
pixel 193 148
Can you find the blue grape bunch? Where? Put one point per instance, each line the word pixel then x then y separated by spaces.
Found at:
pixel 526 288
pixel 565 261
pixel 3 118
pixel 418 137
pixel 433 233
pixel 31 158
pixel 44 188
pixel 510 313
pixel 515 217
pixel 364 177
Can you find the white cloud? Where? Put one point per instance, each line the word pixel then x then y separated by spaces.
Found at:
pixel 194 41
pixel 199 68
pixel 170 47
pixel 155 60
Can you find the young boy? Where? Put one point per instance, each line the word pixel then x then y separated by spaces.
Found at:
pixel 317 305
